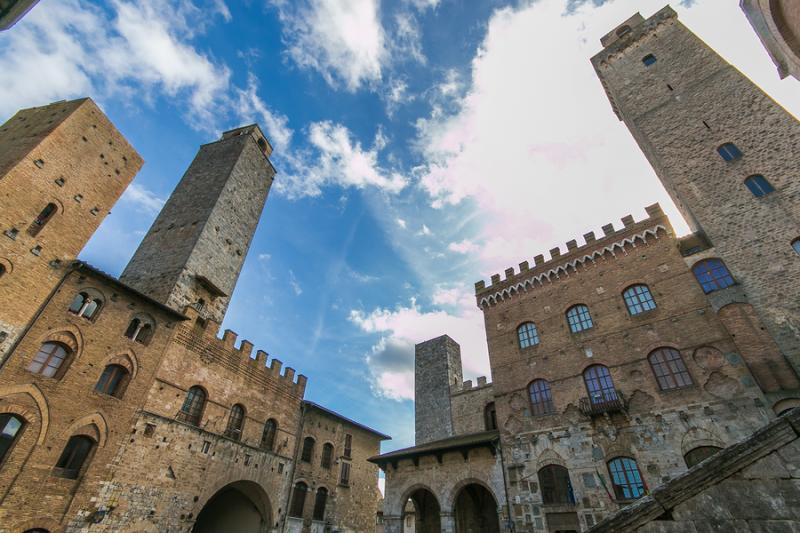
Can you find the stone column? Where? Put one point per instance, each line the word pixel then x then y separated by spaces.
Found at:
pixel 448 522
pixel 392 524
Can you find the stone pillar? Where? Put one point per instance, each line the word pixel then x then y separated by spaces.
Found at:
pixel 448 522
pixel 392 524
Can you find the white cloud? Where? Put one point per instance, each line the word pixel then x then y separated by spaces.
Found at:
pixel 144 200
pixel 74 48
pixel 391 360
pixel 401 223
pixel 343 40
pixel 250 106
pixel 532 143
pixel 463 247
pixel 298 290
pixel 424 231
pixel 337 158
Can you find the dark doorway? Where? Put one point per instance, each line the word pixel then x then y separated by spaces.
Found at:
pixel 476 511
pixel 426 512
pixel 242 507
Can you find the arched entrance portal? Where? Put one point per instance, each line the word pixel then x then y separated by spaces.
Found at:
pixel 476 510
pixel 424 508
pixel 242 506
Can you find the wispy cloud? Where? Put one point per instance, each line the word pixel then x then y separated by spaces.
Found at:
pixel 294 284
pixel 144 200
pixel 343 40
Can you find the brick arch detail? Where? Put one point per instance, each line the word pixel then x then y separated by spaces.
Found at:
pixel 232 480
pixel 126 359
pixel 95 419
pixel 696 437
pixel 68 335
pixel 37 396
pixel 50 524
pixel 549 457
pixel 397 507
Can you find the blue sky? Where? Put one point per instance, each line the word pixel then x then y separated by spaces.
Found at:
pixel 421 145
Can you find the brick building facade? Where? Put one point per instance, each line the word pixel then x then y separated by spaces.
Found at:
pixel 120 407
pixel 620 364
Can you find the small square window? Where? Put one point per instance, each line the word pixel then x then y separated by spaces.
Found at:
pixel 60 182
pixel 149 430
pixel 206 446
pixel 39 162
pixel 94 211
pixel 78 198
pixel 247 459
pixel 649 60
pixel 759 185
pixel 12 233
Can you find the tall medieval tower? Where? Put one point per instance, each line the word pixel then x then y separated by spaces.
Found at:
pixel 725 152
pixel 194 251
pixel 62 167
pixel 437 367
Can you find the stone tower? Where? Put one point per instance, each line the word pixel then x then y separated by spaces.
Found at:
pixel 62 168
pixel 684 104
pixel 437 367
pixel 194 251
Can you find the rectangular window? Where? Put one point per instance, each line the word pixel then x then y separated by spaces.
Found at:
pixel 348 446
pixel 206 446
pixel 345 477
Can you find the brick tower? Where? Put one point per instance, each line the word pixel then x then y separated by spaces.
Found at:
pixel 62 168
pixel 437 367
pixel 725 152
pixel 194 251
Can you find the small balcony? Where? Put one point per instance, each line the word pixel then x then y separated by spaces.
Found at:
pixel 608 401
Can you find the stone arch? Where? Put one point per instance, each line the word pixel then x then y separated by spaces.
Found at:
pixel 243 506
pixel 397 507
pixel 427 508
pixel 696 437
pixel 459 486
pixel 475 509
pixel 126 359
pixel 550 457
pixel 48 524
pixel 37 396
pixel 784 405
pixel 93 425
pixel 69 336
pixel 787 22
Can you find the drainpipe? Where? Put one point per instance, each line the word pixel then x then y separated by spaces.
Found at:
pixel 294 464
pixel 509 522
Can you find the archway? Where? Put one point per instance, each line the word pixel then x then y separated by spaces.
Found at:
pixel 424 507
pixel 242 506
pixel 475 510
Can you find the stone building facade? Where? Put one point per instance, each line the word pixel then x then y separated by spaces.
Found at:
pixel 625 361
pixel 725 152
pixel 120 407
pixel 777 23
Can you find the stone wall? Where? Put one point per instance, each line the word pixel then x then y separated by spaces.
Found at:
pixel 437 367
pixel 468 404
pixel 207 224
pixel 68 154
pixel 752 486
pixel 680 109
pixel 777 23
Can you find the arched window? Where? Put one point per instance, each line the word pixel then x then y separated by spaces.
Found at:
pixel 649 60
pixel 527 335
pixel 348 445
pixel 729 152
pixel 78 303
pixel 319 504
pixel 599 385
pixel 113 381
pixel 192 408
pixel 795 246
pixel 74 456
pixel 2 270
pixel 44 217
pixel 699 454
pixel 235 422
pixel 669 369
pixel 712 274
pixel 490 416
pixel 308 450
pixel 555 485
pixel 268 435
pixel 638 299
pixel 50 359
pixel 10 428
pixel 578 318
pixel 298 500
pixel 85 305
pixel 759 185
pixel 327 455
pixel 626 478
pixel 140 329
pixel 541 398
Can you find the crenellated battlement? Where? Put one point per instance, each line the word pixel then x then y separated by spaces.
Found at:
pixel 613 242
pixel 467 386
pixel 201 337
